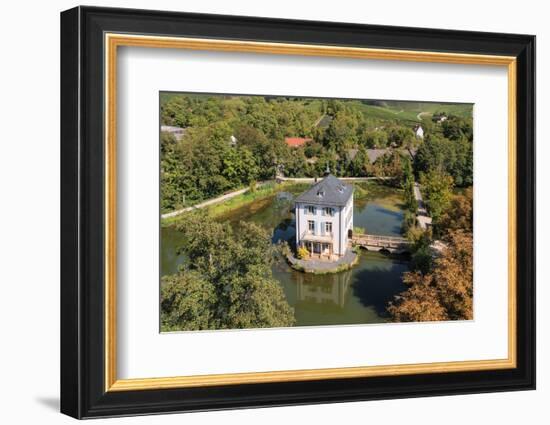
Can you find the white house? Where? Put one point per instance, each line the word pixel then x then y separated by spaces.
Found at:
pixel 324 218
pixel 336 292
pixel 419 131
pixel 177 132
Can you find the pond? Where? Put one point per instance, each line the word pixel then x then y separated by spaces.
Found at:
pixel 359 295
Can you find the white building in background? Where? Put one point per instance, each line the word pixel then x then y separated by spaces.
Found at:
pixel 419 131
pixel 177 132
pixel 324 218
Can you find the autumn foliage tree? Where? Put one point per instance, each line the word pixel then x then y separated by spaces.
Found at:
pixel 446 292
pixel 459 214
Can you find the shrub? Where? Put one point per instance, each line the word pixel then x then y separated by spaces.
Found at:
pixel 302 253
pixel 359 230
pixel 409 222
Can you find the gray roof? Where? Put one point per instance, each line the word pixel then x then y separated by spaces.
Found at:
pixel 328 191
pixel 352 153
pixel 374 154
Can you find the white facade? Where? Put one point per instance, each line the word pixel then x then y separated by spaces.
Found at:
pixel 324 229
pixel 177 132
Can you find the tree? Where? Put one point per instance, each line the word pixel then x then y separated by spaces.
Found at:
pixel 389 165
pixel 437 187
pixel 408 186
pixel 409 222
pixel 373 138
pixel 434 154
pixel 231 279
pixel 187 303
pixel 455 128
pixel 249 136
pixel 421 252
pixel 446 293
pixel 401 136
pixel 453 276
pixel 342 130
pixel 419 303
pixel 171 174
pixel 459 215
pixel 454 157
pixel 239 166
pixel 360 165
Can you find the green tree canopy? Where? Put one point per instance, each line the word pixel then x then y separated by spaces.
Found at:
pixel 228 274
pixel 438 191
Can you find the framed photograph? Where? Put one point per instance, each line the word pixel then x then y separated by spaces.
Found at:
pixel 261 212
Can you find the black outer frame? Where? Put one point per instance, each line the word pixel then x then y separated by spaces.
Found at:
pixel 82 212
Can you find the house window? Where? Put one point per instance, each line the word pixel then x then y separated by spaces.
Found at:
pixel 327 289
pixel 310 209
pixel 328 227
pixel 328 211
pixel 311 226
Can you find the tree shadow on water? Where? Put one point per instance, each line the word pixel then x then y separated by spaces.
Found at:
pixel 377 286
pixel 382 210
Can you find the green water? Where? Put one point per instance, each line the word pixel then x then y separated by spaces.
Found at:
pixel 359 295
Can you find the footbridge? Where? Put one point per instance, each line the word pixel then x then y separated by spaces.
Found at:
pixel 393 244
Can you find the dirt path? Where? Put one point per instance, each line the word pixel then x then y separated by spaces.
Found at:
pixel 213 201
pixel 419 116
pixel 346 179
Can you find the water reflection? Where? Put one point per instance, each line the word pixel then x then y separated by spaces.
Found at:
pixel 359 295
pixel 332 290
pixel 378 219
pixel 355 296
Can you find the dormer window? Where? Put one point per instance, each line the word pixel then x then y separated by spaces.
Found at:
pixel 320 193
pixel 341 189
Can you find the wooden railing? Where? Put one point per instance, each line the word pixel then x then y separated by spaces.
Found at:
pixel 380 241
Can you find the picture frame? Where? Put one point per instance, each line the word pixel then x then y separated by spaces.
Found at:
pixel 90 39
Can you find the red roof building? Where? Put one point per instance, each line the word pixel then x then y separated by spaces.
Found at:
pixel 295 142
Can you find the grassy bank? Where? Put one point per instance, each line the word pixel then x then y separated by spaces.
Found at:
pixel 265 191
pixel 389 197
pixel 363 192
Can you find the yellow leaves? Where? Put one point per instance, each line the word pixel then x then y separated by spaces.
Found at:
pixel 446 293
